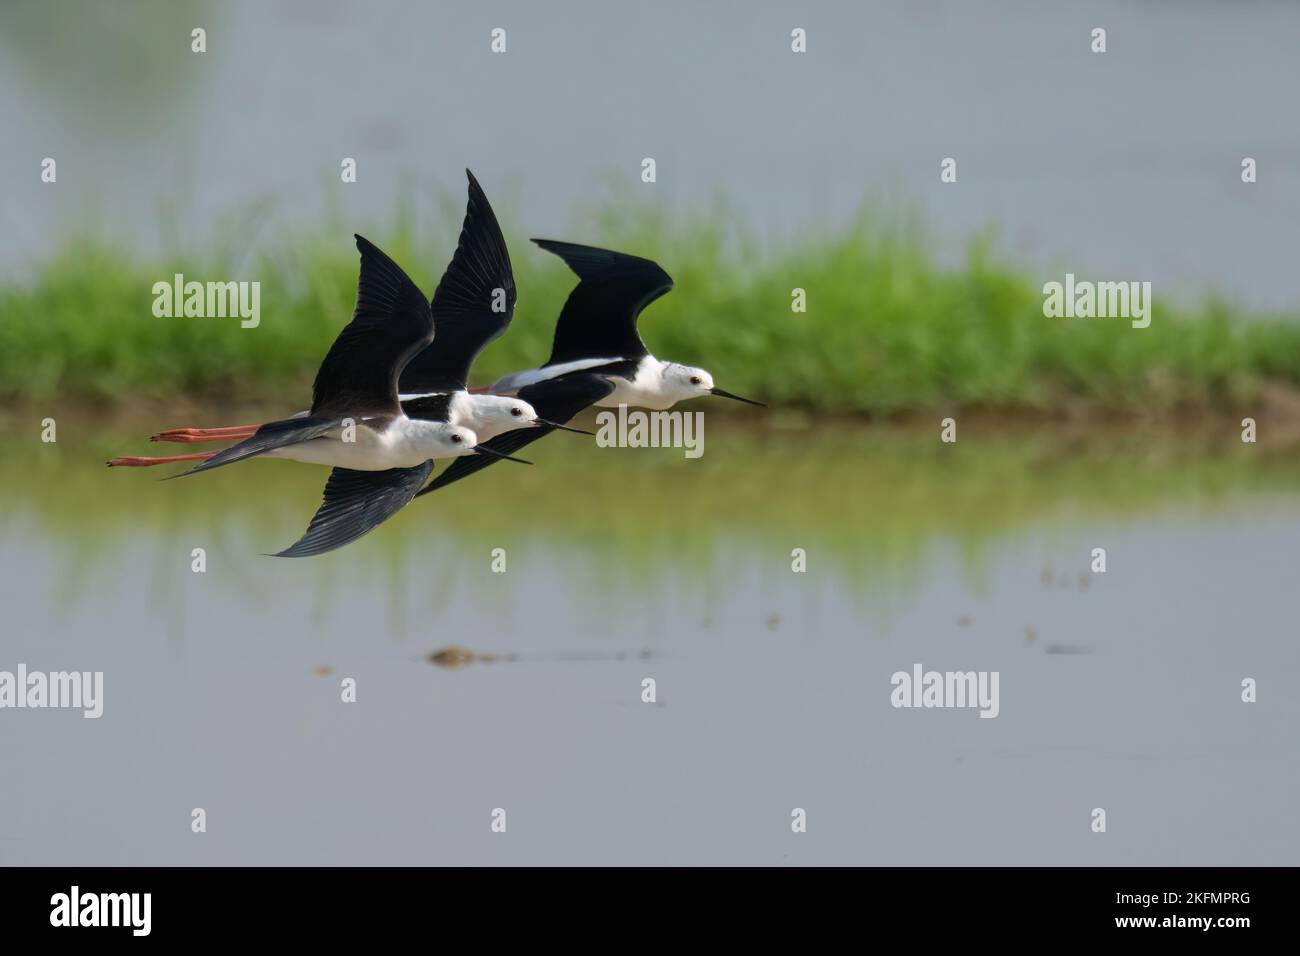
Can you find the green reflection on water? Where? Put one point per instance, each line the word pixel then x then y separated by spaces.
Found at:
pixel 869 499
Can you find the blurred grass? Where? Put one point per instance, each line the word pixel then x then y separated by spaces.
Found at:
pixel 887 330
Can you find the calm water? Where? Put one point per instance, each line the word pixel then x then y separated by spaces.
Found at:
pixel 1118 690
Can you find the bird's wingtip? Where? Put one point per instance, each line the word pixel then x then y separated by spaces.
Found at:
pixel 475 190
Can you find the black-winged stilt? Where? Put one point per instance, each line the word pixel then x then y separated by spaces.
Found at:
pixel 472 306
pixel 597 357
pixel 381 455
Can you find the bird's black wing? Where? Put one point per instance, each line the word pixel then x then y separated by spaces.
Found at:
pixel 430 408
pixel 390 324
pixel 556 400
pixel 357 502
pixel 599 318
pixel 472 305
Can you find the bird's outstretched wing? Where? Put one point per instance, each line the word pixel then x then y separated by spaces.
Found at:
pixel 357 502
pixel 390 324
pixel 599 318
pixel 556 400
pixel 472 305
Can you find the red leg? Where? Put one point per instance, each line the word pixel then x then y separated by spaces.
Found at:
pixel 205 434
pixel 136 461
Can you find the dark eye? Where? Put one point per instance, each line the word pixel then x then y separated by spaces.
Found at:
pixel 695 380
pixel 516 412
pixel 456 439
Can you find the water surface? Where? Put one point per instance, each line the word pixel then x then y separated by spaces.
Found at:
pixel 223 689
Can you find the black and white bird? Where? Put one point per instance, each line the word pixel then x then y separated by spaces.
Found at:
pixel 597 357
pixel 472 307
pixel 381 455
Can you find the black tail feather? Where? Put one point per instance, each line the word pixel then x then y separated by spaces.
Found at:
pixel 272 435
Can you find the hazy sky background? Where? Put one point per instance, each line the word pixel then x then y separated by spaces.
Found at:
pixel 1120 166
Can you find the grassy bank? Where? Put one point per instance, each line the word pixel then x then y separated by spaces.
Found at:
pixel 887 330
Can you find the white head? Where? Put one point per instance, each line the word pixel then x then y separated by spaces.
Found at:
pixel 455 441
pixel 683 382
pixel 494 414
pixel 499 413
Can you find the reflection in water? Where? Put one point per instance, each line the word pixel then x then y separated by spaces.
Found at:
pixel 874 499
pixel 223 689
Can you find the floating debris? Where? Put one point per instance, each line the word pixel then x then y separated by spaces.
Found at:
pixel 1030 635
pixel 773 620
pixel 323 671
pixel 453 657
pixel 1065 649
pixel 965 621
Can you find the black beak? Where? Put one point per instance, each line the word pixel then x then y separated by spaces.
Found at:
pixel 480 450
pixel 748 401
pixel 563 428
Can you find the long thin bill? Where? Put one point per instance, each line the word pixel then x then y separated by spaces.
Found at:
pixel 563 428
pixel 748 401
pixel 480 450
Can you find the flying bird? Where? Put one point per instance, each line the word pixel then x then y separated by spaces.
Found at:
pixel 597 357
pixel 356 423
pixel 472 307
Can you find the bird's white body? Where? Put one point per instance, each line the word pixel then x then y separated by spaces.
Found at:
pixel 651 386
pixel 404 443
pixel 408 442
pixel 654 384
pixel 513 382
pixel 485 415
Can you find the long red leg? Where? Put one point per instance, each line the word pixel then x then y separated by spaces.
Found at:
pixel 205 434
pixel 136 461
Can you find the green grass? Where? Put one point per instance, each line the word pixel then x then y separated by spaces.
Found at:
pixel 888 330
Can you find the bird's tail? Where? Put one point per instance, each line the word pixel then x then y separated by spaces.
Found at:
pixel 272 435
